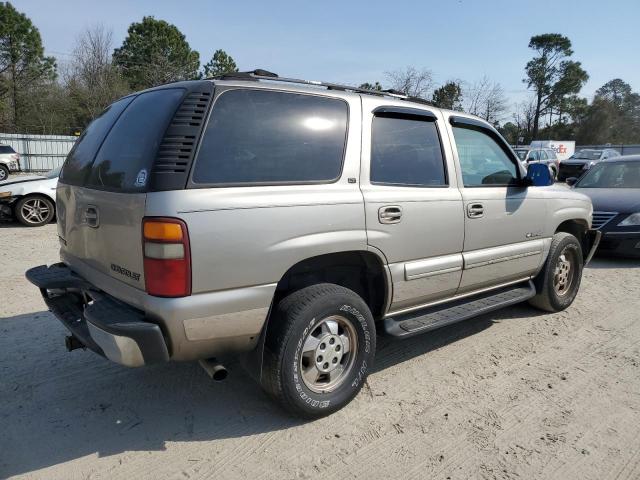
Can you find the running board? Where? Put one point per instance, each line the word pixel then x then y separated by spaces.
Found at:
pixel 430 318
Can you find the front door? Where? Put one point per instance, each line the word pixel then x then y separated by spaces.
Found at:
pixel 413 208
pixel 503 219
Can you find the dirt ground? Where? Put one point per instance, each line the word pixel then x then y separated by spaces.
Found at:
pixel 515 394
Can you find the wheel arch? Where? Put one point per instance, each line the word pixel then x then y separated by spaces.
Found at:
pixel 365 272
pixel 578 227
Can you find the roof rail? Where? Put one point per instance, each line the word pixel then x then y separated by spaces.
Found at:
pixel 259 74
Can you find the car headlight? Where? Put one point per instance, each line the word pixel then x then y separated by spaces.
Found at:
pixel 587 166
pixel 5 194
pixel 631 221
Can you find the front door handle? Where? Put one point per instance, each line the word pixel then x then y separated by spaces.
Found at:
pixel 390 214
pixel 475 210
pixel 91 217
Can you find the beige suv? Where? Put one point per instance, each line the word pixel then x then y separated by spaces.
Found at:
pixel 290 222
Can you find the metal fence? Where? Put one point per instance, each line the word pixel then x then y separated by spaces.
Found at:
pixel 623 149
pixel 39 153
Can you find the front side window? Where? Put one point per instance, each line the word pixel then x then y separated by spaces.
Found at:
pixel 266 137
pixel 482 160
pixel 406 152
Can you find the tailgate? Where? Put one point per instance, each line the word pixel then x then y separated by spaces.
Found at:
pixel 102 230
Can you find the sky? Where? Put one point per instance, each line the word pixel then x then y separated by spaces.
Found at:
pixel 355 41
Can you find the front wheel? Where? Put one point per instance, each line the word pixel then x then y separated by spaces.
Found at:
pixel 4 173
pixel 319 350
pixel 34 211
pixel 558 283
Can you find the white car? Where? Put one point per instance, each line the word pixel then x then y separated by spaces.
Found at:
pixel 30 199
pixel 9 161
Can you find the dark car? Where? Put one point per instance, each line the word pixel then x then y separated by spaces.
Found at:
pixel 583 160
pixel 614 188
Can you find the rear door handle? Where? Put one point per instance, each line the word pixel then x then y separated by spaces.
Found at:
pixel 91 216
pixel 475 210
pixel 390 214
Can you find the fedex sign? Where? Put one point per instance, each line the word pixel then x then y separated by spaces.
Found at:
pixel 563 148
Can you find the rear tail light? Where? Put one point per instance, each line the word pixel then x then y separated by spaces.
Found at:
pixel 167 258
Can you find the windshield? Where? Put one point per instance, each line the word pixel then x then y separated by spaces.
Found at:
pixel 587 155
pixel 55 173
pixel 612 175
pixel 522 154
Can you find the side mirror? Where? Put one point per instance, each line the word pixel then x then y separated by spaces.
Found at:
pixel 571 181
pixel 538 175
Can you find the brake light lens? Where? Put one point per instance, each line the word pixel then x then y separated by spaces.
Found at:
pixel 167 258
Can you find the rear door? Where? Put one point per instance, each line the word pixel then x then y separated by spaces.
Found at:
pixel 412 206
pixel 102 189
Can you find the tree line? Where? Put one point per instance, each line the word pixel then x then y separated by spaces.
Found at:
pixel 39 95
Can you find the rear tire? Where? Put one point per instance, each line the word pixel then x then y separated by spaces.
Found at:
pixel 558 282
pixel 319 350
pixel 34 210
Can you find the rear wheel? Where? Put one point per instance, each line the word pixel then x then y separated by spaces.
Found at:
pixel 4 173
pixel 558 282
pixel 319 350
pixel 34 211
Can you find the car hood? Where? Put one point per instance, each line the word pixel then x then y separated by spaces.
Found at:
pixel 622 200
pixel 22 179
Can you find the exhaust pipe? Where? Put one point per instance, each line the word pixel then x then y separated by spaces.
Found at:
pixel 215 370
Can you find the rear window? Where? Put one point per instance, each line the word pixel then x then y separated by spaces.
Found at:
pixel 6 149
pixel 78 163
pixel 126 156
pixel 265 137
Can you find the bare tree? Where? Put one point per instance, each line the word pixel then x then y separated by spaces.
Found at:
pixel 524 117
pixel 412 82
pixel 486 99
pixel 93 82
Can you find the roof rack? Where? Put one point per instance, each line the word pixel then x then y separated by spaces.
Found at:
pixel 259 74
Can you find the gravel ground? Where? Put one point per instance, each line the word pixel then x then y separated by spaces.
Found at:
pixel 515 394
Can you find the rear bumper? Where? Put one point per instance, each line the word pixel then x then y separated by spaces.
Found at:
pixel 624 244
pixel 101 323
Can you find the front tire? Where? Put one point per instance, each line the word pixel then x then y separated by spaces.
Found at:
pixel 34 211
pixel 319 350
pixel 4 173
pixel 559 281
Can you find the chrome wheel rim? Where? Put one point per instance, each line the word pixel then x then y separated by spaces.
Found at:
pixel 35 210
pixel 563 272
pixel 328 354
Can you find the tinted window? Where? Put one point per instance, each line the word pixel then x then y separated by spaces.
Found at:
pixel 256 136
pixel 78 163
pixel 126 156
pixel 612 175
pixel 6 149
pixel 551 154
pixel 406 152
pixel 534 155
pixel 482 159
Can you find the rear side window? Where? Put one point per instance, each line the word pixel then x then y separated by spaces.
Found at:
pixel 80 158
pixel 125 158
pixel 6 149
pixel 264 137
pixel 406 152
